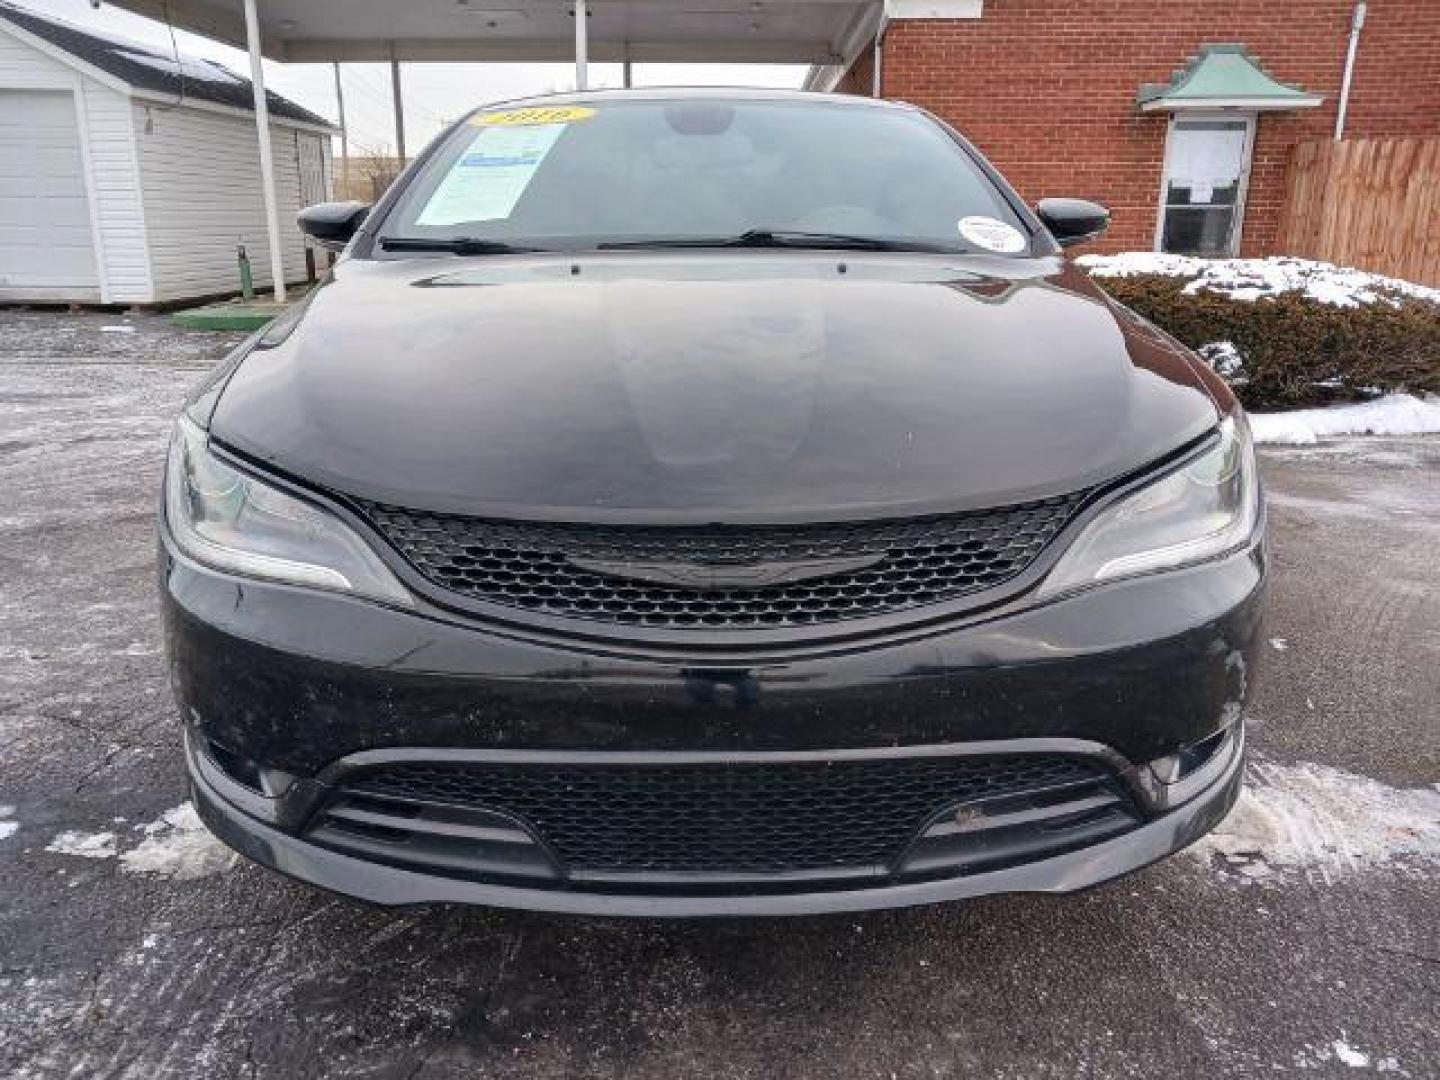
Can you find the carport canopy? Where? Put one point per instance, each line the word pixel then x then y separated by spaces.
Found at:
pixel 820 32
pixel 643 31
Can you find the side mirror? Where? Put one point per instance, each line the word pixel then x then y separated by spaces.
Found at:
pixel 332 224
pixel 1073 221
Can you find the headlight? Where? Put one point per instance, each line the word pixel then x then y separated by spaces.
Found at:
pixel 230 521
pixel 1202 509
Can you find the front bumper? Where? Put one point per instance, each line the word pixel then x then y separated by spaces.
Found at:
pixel 307 684
pixel 391 885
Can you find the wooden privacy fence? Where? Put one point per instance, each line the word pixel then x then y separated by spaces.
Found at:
pixel 1368 203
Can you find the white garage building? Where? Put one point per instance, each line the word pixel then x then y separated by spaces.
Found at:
pixel 129 177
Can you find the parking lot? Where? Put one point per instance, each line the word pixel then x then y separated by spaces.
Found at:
pixel 1302 939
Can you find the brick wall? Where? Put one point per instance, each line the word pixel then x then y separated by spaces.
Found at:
pixel 1046 89
pixel 860 78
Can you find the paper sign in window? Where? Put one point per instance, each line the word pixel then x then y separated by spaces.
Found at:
pixel 488 179
pixel 1203 159
pixel 544 114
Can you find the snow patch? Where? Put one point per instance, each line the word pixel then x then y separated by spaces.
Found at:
pixel 1322 821
pixel 100 845
pixel 178 846
pixel 185 67
pixel 1348 1055
pixel 1225 360
pixel 117 329
pixel 1279 644
pixel 8 829
pixel 1253 279
pixel 1393 414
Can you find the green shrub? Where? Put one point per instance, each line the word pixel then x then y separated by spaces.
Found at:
pixel 1297 351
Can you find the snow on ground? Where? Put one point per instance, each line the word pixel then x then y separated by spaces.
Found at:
pixel 178 846
pixel 1393 414
pixel 1345 1053
pixel 1321 821
pixel 100 845
pixel 1251 279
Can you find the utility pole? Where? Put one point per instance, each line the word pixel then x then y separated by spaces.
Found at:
pixel 399 108
pixel 344 133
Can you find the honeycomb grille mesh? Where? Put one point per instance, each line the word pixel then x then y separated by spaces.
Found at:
pixel 725 818
pixel 533 566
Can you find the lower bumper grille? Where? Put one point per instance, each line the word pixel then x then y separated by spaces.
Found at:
pixel 762 822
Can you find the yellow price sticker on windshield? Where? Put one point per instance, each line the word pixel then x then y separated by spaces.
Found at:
pixel 545 114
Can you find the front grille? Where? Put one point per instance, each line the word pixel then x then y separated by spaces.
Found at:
pixel 534 566
pixel 729 818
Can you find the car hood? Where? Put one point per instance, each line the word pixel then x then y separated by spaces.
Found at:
pixel 711 386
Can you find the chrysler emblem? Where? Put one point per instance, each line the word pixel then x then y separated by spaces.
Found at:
pixel 714 577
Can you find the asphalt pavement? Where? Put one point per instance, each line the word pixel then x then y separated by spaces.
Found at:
pixel 1306 939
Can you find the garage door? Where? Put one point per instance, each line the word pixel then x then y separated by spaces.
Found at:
pixel 46 249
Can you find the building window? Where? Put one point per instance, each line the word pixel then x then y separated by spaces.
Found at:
pixel 1202 195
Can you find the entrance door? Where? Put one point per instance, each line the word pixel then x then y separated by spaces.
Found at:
pixel 47 251
pixel 1202 199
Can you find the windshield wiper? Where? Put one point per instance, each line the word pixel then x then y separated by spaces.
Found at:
pixel 460 245
pixel 777 238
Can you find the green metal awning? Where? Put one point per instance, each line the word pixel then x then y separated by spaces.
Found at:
pixel 1223 77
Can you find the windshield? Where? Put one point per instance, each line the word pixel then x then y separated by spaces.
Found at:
pixel 634 173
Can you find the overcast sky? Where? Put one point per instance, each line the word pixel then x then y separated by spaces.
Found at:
pixel 434 93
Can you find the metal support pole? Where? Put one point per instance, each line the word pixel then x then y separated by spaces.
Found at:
pixel 877 58
pixel 582 45
pixel 267 163
pixel 344 132
pixel 399 109
pixel 626 73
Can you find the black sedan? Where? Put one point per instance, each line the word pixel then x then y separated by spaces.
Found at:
pixel 699 503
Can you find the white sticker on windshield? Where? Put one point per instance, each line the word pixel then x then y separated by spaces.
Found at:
pixel 488 179
pixel 993 235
